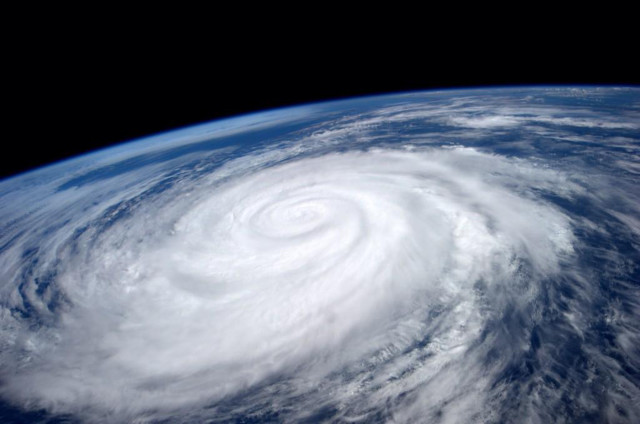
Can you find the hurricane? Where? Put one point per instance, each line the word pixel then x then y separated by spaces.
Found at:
pixel 428 257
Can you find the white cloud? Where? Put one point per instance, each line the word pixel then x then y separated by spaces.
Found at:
pixel 312 265
pixel 492 121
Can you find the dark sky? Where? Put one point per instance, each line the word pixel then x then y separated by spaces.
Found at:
pixel 67 97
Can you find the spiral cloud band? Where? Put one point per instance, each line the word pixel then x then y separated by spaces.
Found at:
pixel 385 283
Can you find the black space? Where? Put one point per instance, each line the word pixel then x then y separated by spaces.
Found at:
pixel 68 96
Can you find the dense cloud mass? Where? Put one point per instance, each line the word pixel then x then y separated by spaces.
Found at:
pixel 430 259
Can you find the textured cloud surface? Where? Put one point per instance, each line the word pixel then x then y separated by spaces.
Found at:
pixel 292 282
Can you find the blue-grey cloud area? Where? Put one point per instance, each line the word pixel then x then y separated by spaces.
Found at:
pixel 455 256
